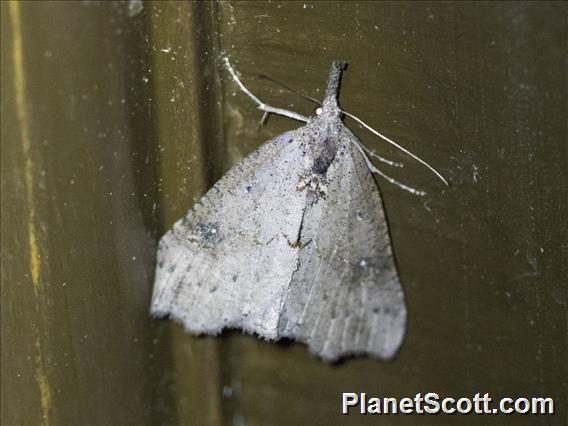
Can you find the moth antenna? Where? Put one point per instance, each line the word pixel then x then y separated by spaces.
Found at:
pixel 373 169
pixel 261 105
pixel 291 89
pixel 369 128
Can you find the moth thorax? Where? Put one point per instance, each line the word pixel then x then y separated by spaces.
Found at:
pixel 323 155
pixel 329 111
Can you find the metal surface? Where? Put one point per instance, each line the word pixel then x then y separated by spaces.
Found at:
pixel 113 122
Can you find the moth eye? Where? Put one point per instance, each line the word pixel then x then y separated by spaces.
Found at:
pixel 319 110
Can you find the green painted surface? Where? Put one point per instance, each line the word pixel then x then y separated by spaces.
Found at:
pixel 116 118
pixel 479 91
pixel 76 340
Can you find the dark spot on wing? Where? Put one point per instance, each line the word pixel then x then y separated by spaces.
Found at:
pixel 320 166
pixel 248 189
pixel 208 233
pixel 324 159
pixel 175 293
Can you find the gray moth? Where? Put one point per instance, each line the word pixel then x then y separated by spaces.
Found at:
pixel 292 243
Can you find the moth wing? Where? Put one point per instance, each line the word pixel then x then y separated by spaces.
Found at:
pixel 228 262
pixel 346 298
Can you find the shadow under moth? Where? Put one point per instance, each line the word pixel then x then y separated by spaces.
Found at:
pixel 292 242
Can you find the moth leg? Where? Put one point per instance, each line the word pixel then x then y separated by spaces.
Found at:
pixel 263 120
pixel 382 159
pixel 373 169
pixel 261 105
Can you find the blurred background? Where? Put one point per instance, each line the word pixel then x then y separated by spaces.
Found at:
pixel 117 116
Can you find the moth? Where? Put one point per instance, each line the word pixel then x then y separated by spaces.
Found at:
pixel 292 243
